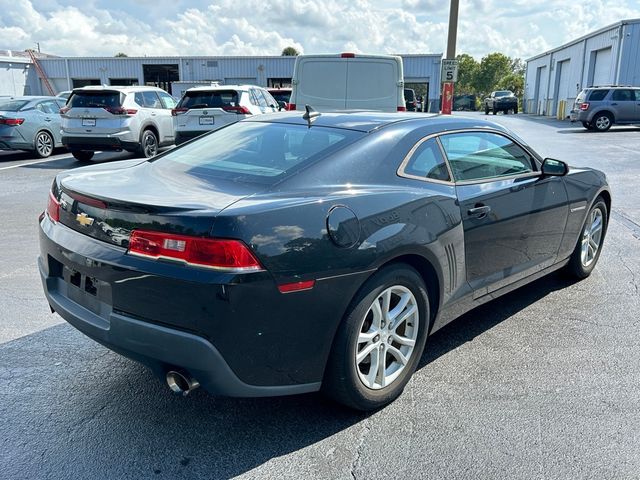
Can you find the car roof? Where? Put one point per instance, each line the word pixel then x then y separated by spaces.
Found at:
pixel 213 88
pixel 369 121
pixel 32 98
pixel 133 88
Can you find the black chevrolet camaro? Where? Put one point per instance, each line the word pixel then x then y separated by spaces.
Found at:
pixel 284 255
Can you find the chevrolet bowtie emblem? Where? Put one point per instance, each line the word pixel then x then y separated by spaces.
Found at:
pixel 84 219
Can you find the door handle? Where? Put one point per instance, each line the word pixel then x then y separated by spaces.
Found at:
pixel 47 119
pixel 479 211
pixel 614 103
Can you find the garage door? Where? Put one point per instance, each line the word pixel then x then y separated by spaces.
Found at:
pixel 541 90
pixel 602 69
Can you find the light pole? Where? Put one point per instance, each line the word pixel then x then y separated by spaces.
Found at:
pixel 447 87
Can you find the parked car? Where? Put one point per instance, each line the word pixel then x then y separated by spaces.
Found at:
pixel 464 102
pixel 598 108
pixel 135 119
pixel 202 109
pixel 411 103
pixel 501 101
pixel 291 253
pixel 64 95
pixel 282 96
pixel 348 81
pixel 30 123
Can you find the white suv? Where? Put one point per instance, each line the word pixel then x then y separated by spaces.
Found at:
pixel 202 109
pixel 136 119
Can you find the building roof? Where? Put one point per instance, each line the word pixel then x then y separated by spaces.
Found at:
pixel 584 37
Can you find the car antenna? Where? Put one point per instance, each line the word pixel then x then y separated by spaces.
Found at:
pixel 310 114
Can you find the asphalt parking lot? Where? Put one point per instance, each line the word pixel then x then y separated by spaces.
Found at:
pixel 543 383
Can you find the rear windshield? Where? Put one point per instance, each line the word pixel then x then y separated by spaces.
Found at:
pixel 504 93
pixel 598 95
pixel 217 99
pixel 80 99
pixel 281 96
pixel 12 105
pixel 409 95
pixel 255 152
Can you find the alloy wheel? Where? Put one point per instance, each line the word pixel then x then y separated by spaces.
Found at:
pixel 44 144
pixel 591 237
pixel 387 337
pixel 603 122
pixel 150 145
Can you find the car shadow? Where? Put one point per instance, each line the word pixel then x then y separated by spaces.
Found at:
pixel 72 408
pixel 593 132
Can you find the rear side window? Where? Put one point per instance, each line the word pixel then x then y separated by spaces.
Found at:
pixel 427 162
pixel 167 100
pixel 255 151
pixel 597 95
pixel 12 105
pixel 623 95
pixel 80 99
pixel 484 155
pixel 151 100
pixel 49 107
pixel 209 99
pixel 261 100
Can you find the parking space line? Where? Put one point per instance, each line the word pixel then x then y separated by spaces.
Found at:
pixel 31 163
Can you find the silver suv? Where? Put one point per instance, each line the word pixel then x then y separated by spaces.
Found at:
pixel 598 108
pixel 136 119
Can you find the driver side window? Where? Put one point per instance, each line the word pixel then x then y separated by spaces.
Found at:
pixel 484 155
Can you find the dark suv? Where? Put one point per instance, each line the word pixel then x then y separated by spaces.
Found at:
pixel 598 108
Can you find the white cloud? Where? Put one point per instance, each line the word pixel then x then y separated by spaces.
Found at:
pixel 254 27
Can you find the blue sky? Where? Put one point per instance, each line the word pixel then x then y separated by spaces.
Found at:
pixel 519 28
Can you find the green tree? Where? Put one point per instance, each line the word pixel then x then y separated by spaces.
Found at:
pixel 290 52
pixel 514 82
pixel 120 54
pixel 492 68
pixel 467 72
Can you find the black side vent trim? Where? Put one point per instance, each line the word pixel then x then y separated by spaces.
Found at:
pixel 453 266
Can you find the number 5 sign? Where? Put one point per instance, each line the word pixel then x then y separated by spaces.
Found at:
pixel 449 70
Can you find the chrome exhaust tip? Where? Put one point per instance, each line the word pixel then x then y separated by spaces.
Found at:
pixel 181 384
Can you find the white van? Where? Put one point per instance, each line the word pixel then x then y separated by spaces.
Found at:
pixel 347 81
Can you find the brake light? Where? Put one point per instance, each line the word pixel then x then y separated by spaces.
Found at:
pixel 179 111
pixel 11 121
pixel 64 110
pixel 584 106
pixel 222 254
pixel 290 106
pixel 402 109
pixel 297 286
pixel 348 55
pixel 121 110
pixel 240 110
pixel 53 207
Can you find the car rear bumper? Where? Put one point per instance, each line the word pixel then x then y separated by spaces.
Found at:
pixel 185 136
pixel 98 143
pixel 236 336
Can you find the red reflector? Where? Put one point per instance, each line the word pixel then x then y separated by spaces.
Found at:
pixel 64 110
pixel 348 55
pixel 239 110
pixel 11 121
pixel 53 208
pixel 402 109
pixel 584 106
pixel 178 111
pixel 296 286
pixel 290 106
pixel 216 253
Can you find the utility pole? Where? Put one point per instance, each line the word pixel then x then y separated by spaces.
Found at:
pixel 38 44
pixel 447 86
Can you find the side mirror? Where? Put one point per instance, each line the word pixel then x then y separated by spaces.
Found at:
pixel 554 168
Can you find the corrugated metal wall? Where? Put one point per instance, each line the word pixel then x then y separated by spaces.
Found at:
pixel 543 93
pixel 629 70
pixel 13 77
pixel 224 69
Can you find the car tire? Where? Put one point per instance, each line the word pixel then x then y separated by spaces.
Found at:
pixel 44 144
pixel 486 110
pixel 506 111
pixel 602 121
pixel 589 245
pixel 354 383
pixel 149 144
pixel 515 110
pixel 82 155
pixel 587 125
pixel 495 111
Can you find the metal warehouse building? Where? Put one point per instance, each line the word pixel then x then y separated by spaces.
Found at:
pixel 421 72
pixel 609 56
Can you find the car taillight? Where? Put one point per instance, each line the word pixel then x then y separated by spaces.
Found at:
pixel 402 109
pixel 290 106
pixel 121 110
pixel 179 111
pixel 241 110
pixel 53 208
pixel 222 254
pixel 348 55
pixel 64 110
pixel 11 121
pixel 584 106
